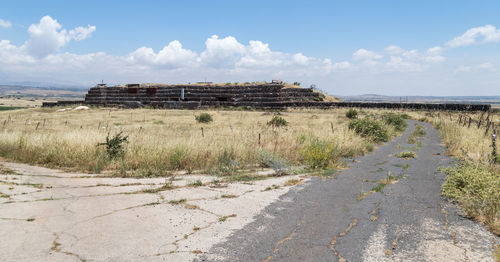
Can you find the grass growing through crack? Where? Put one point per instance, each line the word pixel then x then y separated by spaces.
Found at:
pixel 293 182
pixel 418 133
pixel 177 202
pixel 388 180
pixel 228 196
pixel 406 154
pixel 224 218
pixel 197 183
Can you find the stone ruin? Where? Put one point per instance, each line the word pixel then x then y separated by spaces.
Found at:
pixel 274 95
pixel 269 95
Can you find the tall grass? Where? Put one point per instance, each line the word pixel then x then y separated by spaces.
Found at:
pixel 69 139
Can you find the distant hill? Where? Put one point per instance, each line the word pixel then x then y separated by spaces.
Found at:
pixel 426 99
pixel 7 91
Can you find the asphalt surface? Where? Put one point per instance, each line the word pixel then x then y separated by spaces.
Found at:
pixel 328 220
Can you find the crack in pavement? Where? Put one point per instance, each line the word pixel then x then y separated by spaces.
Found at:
pixel 56 248
pixel 283 240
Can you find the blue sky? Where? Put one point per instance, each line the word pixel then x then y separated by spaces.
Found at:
pixel 344 47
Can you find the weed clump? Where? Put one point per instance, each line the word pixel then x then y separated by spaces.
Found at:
pixel 396 120
pixel 269 160
pixel 115 145
pixel 407 154
pixel 277 121
pixel 369 128
pixel 319 154
pixel 475 186
pixel 351 114
pixel 204 118
pixel 416 134
pixel 226 164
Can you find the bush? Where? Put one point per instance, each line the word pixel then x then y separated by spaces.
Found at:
pixel 318 153
pixel 351 114
pixel 475 188
pixel 269 160
pixel 371 129
pixel 226 163
pixel 277 121
pixel 395 120
pixel 114 146
pixel 204 118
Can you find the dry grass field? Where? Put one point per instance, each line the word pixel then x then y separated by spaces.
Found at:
pixel 236 144
pixel 161 141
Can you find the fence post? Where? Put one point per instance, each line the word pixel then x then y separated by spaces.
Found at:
pixel 202 133
pixel 487 128
pixel 259 139
pixel 494 146
pixel 480 119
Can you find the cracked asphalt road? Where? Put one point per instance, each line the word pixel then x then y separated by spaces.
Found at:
pixel 331 219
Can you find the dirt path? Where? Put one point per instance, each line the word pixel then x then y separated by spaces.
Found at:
pixel 345 219
pixel 49 215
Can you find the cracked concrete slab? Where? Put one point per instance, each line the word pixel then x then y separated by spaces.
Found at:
pixel 50 215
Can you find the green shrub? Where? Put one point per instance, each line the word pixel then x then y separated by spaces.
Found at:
pixel 317 153
pixel 369 128
pixel 269 160
pixel 178 158
pixel 277 121
pixel 476 188
pixel 395 120
pixel 351 114
pixel 204 118
pixel 115 145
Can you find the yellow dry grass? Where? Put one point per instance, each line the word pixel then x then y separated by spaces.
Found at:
pixel 164 140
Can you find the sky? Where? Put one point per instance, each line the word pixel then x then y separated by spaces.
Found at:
pixel 354 47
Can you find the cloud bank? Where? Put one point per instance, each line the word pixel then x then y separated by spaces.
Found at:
pixel 226 59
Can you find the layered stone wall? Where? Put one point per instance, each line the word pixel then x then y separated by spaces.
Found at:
pixel 264 96
pixel 210 95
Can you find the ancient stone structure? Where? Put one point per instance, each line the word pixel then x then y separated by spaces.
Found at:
pixel 191 96
pixel 259 96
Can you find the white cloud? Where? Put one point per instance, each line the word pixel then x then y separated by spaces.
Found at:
pixel 363 54
pixel 482 34
pixel 487 66
pixel 173 55
pixel 5 23
pixel 222 53
pixel 47 37
pixel 40 57
pixel 300 59
pixel 394 50
pixel 342 66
